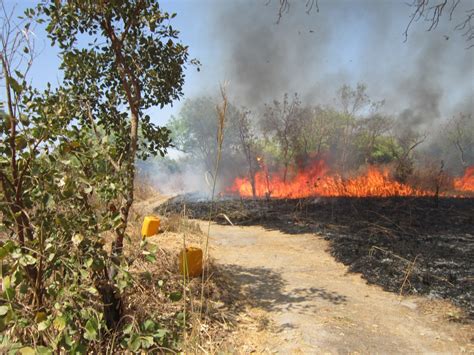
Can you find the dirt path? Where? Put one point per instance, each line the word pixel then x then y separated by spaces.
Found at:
pixel 316 306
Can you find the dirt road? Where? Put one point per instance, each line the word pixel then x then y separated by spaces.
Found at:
pixel 313 305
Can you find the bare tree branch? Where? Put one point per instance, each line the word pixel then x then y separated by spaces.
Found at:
pixel 432 11
pixel 284 7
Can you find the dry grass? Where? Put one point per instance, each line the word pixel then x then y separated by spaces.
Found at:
pixel 150 299
pixel 444 310
pixel 175 223
pixel 154 282
pixel 143 190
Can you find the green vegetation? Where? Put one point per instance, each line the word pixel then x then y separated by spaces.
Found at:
pixel 67 173
pixel 290 135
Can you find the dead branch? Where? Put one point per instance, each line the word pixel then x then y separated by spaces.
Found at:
pixel 432 12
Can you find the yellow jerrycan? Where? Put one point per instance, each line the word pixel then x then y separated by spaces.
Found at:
pixel 150 226
pixel 190 262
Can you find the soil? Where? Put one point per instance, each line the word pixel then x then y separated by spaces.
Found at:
pixel 306 302
pixel 406 245
pixel 298 298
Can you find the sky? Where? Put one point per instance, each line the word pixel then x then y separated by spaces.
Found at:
pixel 346 42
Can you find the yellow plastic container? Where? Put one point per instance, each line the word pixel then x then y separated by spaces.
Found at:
pixel 151 226
pixel 190 262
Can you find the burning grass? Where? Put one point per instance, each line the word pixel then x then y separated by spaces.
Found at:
pixel 408 245
pixel 318 180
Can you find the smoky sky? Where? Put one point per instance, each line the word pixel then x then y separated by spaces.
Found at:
pixel 427 78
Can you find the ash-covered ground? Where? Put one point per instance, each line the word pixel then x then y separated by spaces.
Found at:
pixel 408 245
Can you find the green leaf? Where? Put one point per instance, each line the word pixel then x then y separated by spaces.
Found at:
pixel 79 349
pixel 18 74
pixel 180 316
pixel 122 285
pixel 161 333
pixel 3 310
pixel 3 253
pixel 9 292
pixel 43 350
pixel 40 317
pixel 92 290
pixel 27 260
pixel 3 323
pixel 134 343
pixel 24 288
pixel 91 329
pixel 152 248
pixel 147 341
pixel 59 323
pixel 151 258
pixel 175 296
pixel 43 325
pixel 6 249
pixel 89 262
pixel 17 277
pixel 128 329
pixel 149 325
pixel 17 88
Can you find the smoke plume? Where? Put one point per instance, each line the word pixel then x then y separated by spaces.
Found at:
pixel 423 80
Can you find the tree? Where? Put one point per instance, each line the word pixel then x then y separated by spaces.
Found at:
pixel 17 54
pixel 66 156
pixel 132 62
pixel 324 127
pixel 403 151
pixel 352 101
pixel 460 133
pixel 51 233
pixel 248 142
pixel 194 131
pixel 369 131
pixel 279 119
pixel 195 128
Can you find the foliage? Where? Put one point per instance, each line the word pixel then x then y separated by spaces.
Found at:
pixel 249 144
pixel 290 135
pixel 194 130
pixel 281 123
pixel 53 257
pixel 67 168
pixel 460 135
pixel 131 62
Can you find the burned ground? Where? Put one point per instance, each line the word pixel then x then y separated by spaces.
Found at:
pixel 406 245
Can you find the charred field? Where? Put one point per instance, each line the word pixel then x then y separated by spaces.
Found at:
pixel 407 245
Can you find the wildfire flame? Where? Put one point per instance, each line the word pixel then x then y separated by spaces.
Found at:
pixel 316 180
pixel 465 183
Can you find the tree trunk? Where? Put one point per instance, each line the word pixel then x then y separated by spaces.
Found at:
pixel 111 298
pixel 130 179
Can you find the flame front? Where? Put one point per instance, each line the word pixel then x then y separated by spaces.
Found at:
pixel 465 183
pixel 318 181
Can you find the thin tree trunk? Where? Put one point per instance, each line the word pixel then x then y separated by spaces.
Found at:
pixel 130 182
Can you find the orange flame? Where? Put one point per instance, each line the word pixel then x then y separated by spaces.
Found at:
pixel 317 181
pixel 465 183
